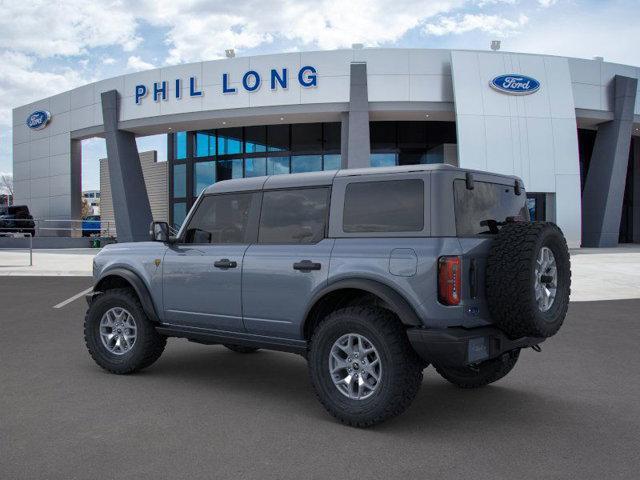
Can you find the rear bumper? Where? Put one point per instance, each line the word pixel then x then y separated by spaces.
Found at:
pixel 458 347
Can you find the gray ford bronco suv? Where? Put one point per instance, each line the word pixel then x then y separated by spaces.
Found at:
pixel 371 274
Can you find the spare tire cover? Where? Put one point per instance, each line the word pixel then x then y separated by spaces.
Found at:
pixel 528 279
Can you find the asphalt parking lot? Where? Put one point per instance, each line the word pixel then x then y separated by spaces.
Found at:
pixel 572 411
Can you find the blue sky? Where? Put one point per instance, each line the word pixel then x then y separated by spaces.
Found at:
pixel 50 47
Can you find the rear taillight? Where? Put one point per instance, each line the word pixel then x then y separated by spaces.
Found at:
pixel 449 275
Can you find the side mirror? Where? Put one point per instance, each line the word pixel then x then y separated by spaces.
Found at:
pixel 159 231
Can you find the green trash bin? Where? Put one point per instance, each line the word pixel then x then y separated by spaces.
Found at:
pixel 95 243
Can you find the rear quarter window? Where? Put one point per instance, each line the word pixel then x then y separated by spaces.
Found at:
pixel 487 201
pixel 384 206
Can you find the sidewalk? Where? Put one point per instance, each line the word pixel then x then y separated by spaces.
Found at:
pixel 598 274
pixel 68 262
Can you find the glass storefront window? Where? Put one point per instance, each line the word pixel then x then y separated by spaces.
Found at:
pixel 229 141
pixel 277 165
pixel 306 137
pixel 383 159
pixel 306 163
pixel 228 169
pixel 255 139
pixel 331 141
pixel 255 167
pixel 332 162
pixel 180 180
pixel 383 135
pixel 180 146
pixel 179 214
pixel 204 174
pixel 205 144
pixel 278 137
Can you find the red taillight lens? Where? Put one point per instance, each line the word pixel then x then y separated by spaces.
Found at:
pixel 449 275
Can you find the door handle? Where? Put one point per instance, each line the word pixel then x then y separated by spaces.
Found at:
pixel 225 263
pixel 306 266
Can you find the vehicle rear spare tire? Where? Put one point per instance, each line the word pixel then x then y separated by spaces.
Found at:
pixel 528 279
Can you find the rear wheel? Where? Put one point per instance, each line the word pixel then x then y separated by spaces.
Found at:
pixel 362 366
pixel 118 334
pixel 240 348
pixel 481 374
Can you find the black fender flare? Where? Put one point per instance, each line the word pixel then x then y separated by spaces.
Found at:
pixel 138 285
pixel 398 304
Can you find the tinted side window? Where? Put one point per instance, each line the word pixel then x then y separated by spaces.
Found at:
pixel 387 206
pixel 220 219
pixel 487 201
pixel 294 216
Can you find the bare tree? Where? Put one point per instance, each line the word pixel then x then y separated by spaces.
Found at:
pixel 6 186
pixel 86 208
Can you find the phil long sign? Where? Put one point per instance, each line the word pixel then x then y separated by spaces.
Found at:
pixel 515 84
pixel 250 81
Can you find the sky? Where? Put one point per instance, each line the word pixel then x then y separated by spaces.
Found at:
pixel 48 47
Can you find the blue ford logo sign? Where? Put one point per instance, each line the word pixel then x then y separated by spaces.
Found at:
pixel 38 119
pixel 515 84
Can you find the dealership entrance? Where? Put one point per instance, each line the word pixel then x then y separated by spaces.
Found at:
pixel 630 215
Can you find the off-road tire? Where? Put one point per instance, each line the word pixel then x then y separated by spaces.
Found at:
pixel 148 346
pixel 401 375
pixel 240 348
pixel 481 374
pixel 510 279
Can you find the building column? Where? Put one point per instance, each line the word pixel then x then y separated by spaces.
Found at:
pixel 355 142
pixel 636 190
pixel 129 194
pixel 604 187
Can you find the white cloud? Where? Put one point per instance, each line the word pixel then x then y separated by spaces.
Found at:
pixel 587 37
pixel 108 61
pixel 21 83
pixel 214 26
pixel 547 3
pixel 46 28
pixel 491 24
pixel 135 63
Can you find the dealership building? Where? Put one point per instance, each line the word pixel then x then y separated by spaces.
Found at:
pixel 568 127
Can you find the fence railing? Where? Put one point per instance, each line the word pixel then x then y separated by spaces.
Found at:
pixel 59 228
pixel 23 235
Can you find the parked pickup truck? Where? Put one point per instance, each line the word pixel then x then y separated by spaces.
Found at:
pixel 371 274
pixel 17 219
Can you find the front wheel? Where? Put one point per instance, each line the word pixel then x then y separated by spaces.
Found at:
pixel 119 336
pixel 362 366
pixel 482 374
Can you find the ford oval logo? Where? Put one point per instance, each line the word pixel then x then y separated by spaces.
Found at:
pixel 38 119
pixel 515 84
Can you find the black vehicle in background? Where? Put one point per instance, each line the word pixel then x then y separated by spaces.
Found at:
pixel 17 219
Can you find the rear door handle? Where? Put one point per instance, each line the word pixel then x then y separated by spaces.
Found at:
pixel 225 263
pixel 306 265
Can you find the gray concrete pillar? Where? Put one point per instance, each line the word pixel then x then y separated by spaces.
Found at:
pixel 357 142
pixel 344 140
pixel 129 194
pixel 76 184
pixel 636 190
pixel 604 187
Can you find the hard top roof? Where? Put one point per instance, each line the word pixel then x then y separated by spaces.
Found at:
pixel 311 179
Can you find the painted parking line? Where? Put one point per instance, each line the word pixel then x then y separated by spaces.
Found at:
pixel 75 297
